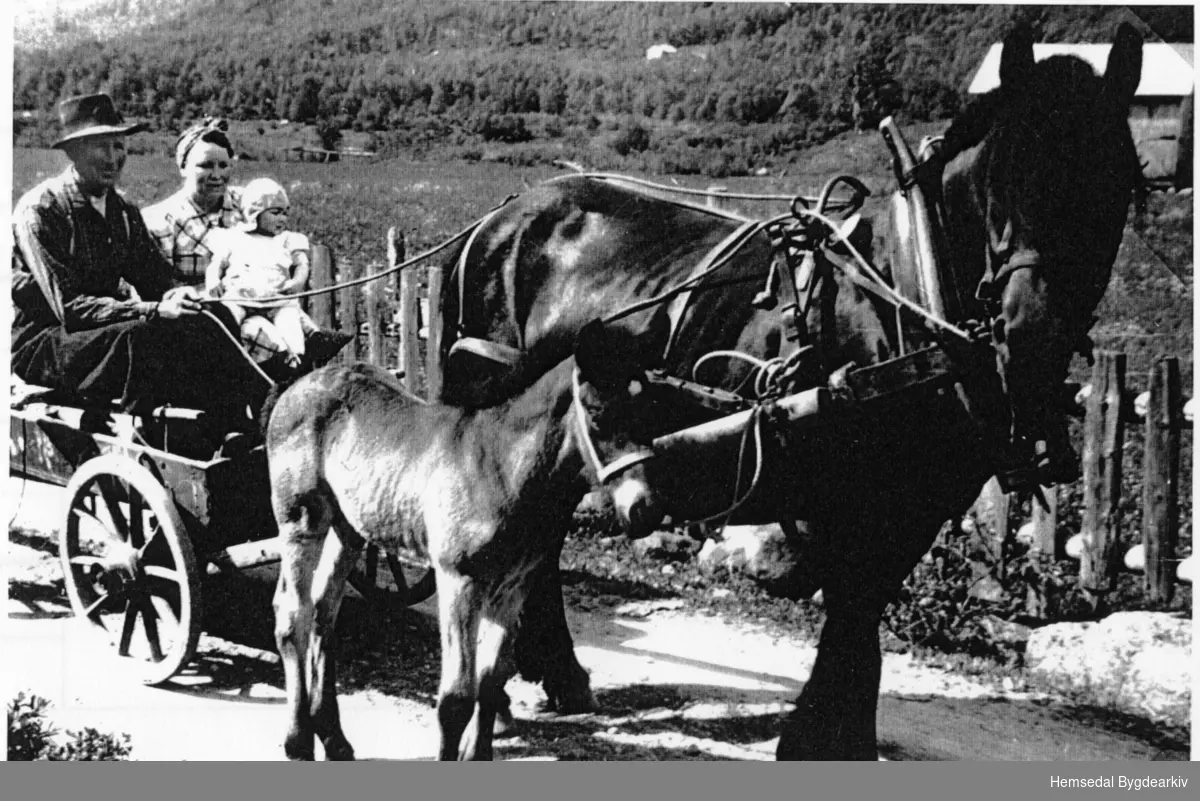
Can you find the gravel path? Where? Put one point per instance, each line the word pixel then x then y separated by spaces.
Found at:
pixel 672 684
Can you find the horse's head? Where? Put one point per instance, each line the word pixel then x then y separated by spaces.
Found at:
pixel 1037 189
pixel 615 420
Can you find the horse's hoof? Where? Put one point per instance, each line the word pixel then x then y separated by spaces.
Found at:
pixel 339 751
pixel 797 744
pixel 573 702
pixel 505 725
pixel 299 754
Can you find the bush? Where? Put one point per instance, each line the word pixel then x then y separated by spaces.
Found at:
pixel 632 137
pixel 937 609
pixel 508 128
pixel 31 738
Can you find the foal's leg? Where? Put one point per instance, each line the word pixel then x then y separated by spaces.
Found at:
pixel 495 666
pixel 459 605
pixel 294 612
pixel 329 587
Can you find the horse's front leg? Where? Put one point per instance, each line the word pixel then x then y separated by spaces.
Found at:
pixel 329 587
pixel 544 649
pixel 834 717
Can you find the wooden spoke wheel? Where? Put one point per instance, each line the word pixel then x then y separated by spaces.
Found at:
pixel 414 580
pixel 129 566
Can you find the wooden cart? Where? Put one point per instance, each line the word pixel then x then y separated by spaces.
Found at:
pixel 144 523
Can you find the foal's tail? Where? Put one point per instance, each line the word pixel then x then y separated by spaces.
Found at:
pixel 271 401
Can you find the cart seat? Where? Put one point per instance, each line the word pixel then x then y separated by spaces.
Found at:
pixel 22 394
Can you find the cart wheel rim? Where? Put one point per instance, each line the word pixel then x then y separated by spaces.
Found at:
pixel 129 568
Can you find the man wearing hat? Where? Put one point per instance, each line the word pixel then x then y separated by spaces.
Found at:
pixel 76 329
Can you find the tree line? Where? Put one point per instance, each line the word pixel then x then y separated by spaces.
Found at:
pixel 485 70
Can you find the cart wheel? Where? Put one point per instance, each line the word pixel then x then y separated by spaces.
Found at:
pixel 418 579
pixel 415 582
pixel 129 566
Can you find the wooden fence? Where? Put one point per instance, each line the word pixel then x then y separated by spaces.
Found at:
pixel 1108 406
pixel 389 318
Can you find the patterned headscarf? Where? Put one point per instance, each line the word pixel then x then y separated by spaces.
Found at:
pixel 210 129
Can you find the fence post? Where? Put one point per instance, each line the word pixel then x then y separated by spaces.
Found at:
pixel 1045 524
pixel 409 329
pixel 991 509
pixel 714 202
pixel 375 295
pixel 1103 440
pixel 348 314
pixel 321 307
pixel 1160 490
pixel 433 343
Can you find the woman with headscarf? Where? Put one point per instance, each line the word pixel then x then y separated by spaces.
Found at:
pixel 188 225
pixel 182 223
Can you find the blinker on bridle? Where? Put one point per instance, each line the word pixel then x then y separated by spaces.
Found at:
pixel 604 472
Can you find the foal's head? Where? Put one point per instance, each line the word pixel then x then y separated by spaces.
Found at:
pixel 616 419
pixel 1037 191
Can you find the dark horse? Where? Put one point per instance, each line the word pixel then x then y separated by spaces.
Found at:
pixel 1036 183
pixel 354 459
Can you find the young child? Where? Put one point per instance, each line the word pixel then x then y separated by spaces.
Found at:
pixel 264 260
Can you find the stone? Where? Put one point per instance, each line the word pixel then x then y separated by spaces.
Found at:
pixel 764 554
pixel 1005 631
pixel 666 545
pixel 595 502
pixel 1139 663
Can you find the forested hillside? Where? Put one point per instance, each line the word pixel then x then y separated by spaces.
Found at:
pixel 511 72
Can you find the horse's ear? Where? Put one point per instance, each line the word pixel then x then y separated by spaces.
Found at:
pixel 1016 57
pixel 1123 72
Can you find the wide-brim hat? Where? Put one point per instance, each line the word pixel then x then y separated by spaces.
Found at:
pixel 92 115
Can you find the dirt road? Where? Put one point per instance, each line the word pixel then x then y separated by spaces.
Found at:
pixel 672 685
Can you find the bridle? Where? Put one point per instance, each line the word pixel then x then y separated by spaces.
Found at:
pixel 604 472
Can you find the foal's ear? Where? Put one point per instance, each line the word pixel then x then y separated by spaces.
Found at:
pixel 593 351
pixel 654 344
pixel 1016 57
pixel 1123 72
